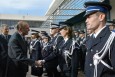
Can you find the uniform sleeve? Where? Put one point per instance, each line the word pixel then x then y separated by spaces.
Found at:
pixel 52 55
pixel 55 52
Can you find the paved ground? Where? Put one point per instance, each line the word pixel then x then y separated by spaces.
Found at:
pixel 29 73
pixel 80 74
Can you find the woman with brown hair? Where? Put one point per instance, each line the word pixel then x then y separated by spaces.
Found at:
pixel 68 52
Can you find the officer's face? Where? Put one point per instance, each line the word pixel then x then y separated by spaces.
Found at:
pixel 76 33
pixel 53 31
pixel 45 39
pixel 81 35
pixel 92 21
pixel 33 36
pixel 111 27
pixel 63 32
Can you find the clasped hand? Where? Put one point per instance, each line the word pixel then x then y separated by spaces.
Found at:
pixel 39 63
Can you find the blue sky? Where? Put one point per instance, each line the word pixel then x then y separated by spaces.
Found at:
pixel 24 7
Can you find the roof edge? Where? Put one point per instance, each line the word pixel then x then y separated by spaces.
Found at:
pixel 54 5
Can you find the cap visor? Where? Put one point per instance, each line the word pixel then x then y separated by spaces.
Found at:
pixel 89 13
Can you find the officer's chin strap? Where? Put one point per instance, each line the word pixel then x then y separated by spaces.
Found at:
pixel 97 59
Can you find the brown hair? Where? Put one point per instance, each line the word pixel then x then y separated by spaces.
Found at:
pixel 70 31
pixel 36 34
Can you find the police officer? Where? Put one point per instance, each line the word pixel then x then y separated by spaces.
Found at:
pixel 82 52
pixel 35 54
pixel 111 25
pixel 100 60
pixel 82 37
pixel 68 52
pixel 51 66
pixel 76 36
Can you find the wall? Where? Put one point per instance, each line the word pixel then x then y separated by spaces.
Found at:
pixel 112 12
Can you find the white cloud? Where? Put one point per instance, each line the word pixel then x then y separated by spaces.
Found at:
pixel 23 4
pixel 24 7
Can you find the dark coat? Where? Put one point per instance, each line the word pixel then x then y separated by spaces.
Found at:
pixel 72 68
pixel 4 53
pixel 2 60
pixel 17 51
pixel 36 51
pixel 96 46
pixel 7 39
pixel 54 61
pixel 36 55
pixel 5 45
pixel 51 65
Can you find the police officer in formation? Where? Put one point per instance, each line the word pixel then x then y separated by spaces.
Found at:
pixel 68 52
pixel 35 54
pixel 100 60
pixel 82 52
pixel 111 25
pixel 76 36
pixel 45 40
pixel 51 65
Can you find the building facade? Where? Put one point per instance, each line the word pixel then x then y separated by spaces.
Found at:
pixel 34 22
